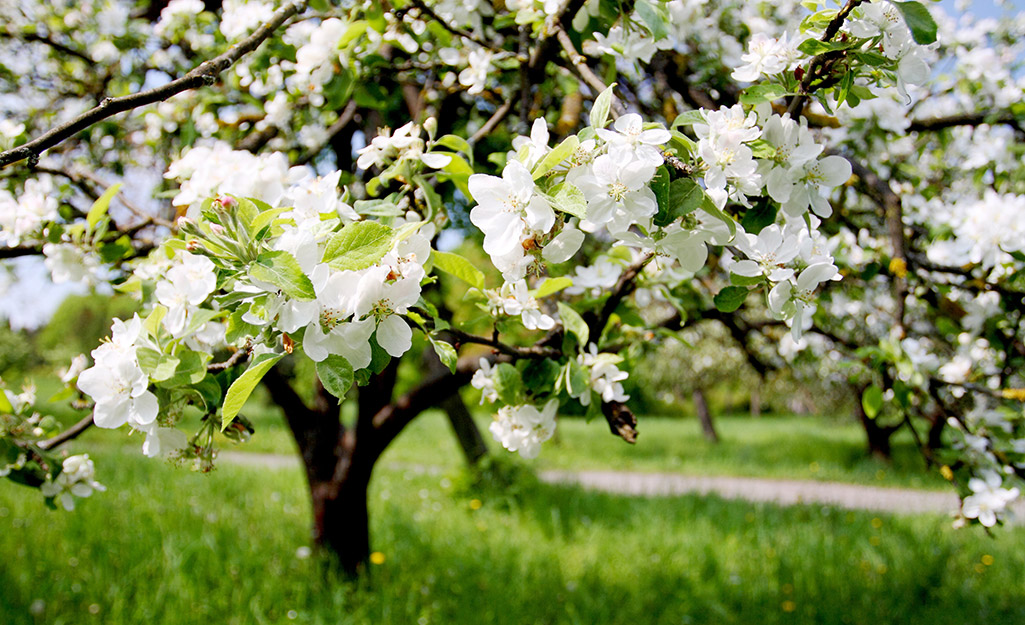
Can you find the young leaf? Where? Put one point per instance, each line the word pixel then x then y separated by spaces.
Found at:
pixel 552 285
pixel 335 374
pixel 570 200
pixel 283 271
pixel 685 196
pixel 101 205
pixel 920 22
pixel 560 153
pixel 730 298
pixel 872 401
pixel 242 388
pixel 687 118
pixel 600 111
pixel 458 267
pixel 446 353
pixel 508 384
pixel 358 245
pixel 574 323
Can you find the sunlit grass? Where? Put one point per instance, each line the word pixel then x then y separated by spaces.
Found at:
pixel 165 545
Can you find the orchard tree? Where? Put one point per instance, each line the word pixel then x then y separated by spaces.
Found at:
pixel 285 183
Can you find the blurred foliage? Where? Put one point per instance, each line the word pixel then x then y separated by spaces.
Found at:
pixel 79 324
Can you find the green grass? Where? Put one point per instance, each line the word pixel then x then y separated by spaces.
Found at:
pixel 786 447
pixel 164 545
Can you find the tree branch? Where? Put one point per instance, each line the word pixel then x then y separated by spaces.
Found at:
pixel 426 10
pixel 203 75
pixel 56 45
pixel 67 435
pixel 962 119
pixel 818 64
pixel 582 69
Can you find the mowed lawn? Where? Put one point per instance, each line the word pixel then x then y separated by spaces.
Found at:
pixel 165 545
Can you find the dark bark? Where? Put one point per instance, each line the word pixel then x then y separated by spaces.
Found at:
pixel 704 416
pixel 459 417
pixel 756 400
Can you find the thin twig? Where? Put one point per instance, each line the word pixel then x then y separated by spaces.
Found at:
pixel 426 10
pixel 204 75
pixel 819 61
pixel 579 65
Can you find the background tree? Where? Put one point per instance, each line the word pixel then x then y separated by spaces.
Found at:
pixel 318 159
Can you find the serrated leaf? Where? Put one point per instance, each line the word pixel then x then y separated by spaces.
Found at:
pixel 458 267
pixel 600 110
pixel 446 353
pixel 242 388
pixel 336 375
pixel 101 205
pixel 283 271
pixel 730 298
pixel 574 323
pixel 920 22
pixel 685 196
pixel 872 401
pixel 358 245
pixel 558 154
pixel 569 199
pixel 552 285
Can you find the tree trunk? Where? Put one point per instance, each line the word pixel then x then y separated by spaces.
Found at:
pixel 756 399
pixel 341 522
pixel 701 407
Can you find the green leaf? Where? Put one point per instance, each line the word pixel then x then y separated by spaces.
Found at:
pixel 814 47
pixel 446 353
pixel 730 298
pixel 508 384
pixel 653 19
pixel 872 401
pixel 757 94
pixel 600 111
pixel 539 376
pixel 660 187
pixel 570 200
pixel 266 217
pixel 577 380
pixel 5 405
pixel 456 143
pixel 552 285
pixel 336 375
pixel 745 280
pixel 242 388
pixel 191 369
pixel 574 323
pixel 283 271
pixel 152 322
pixel 920 22
pixel 101 205
pixel 685 196
pixel 458 267
pixel 358 245
pixel 709 207
pixel 756 218
pixel 560 153
pixel 158 366
pixel 689 117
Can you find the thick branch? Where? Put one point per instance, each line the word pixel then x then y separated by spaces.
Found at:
pixel 534 351
pixel 963 119
pixel 203 75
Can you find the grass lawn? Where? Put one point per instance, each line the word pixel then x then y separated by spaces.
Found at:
pixel 165 545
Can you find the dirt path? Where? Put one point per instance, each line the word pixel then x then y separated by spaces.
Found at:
pixel 785 492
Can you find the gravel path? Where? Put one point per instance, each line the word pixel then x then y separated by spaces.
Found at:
pixel 785 492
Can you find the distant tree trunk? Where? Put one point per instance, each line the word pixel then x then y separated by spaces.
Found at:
pixel 704 416
pixel 756 399
pixel 877 436
pixel 466 431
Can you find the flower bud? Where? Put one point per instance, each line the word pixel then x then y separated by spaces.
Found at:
pixel 431 126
